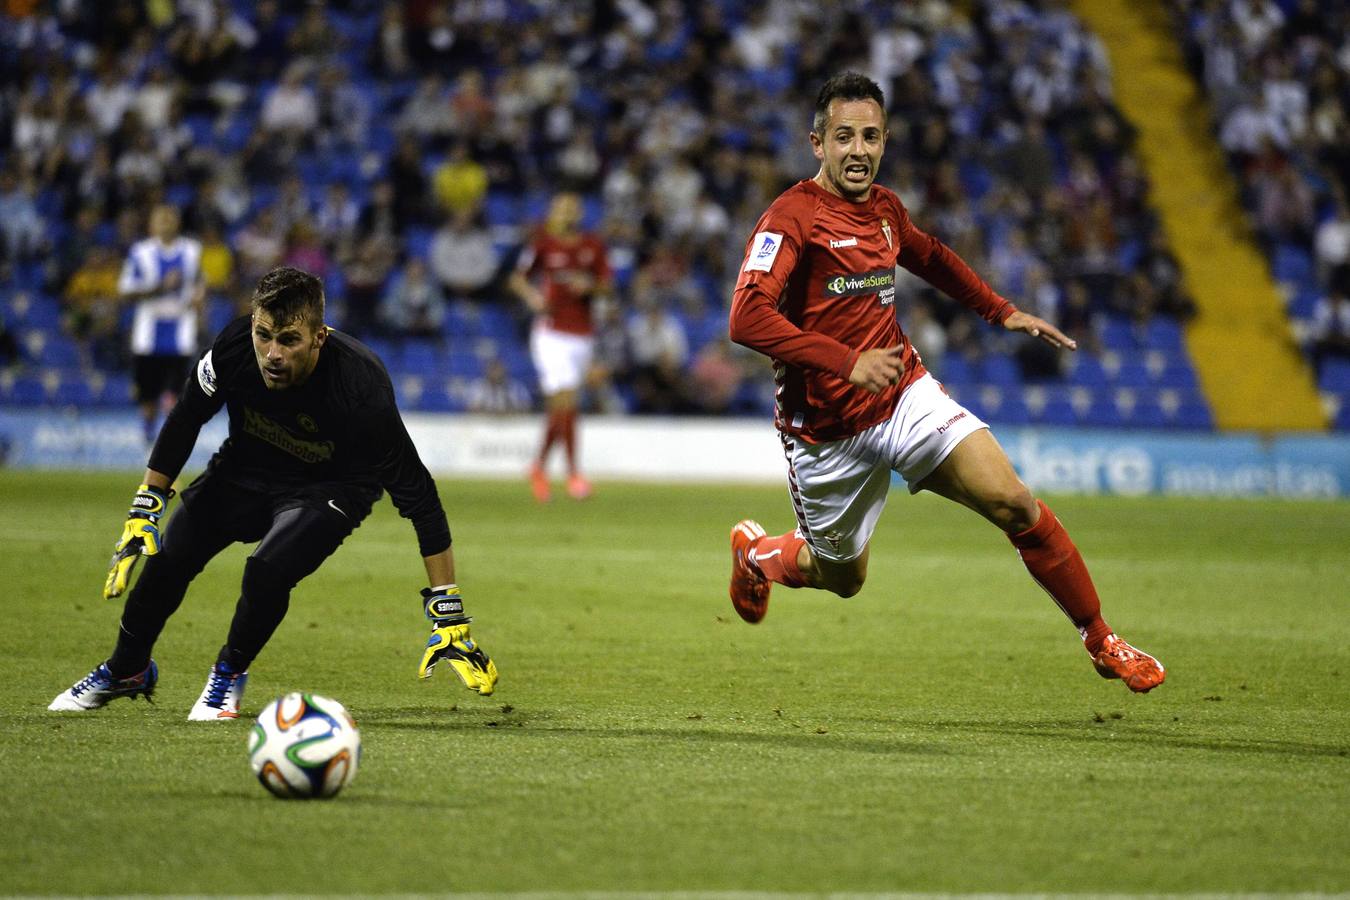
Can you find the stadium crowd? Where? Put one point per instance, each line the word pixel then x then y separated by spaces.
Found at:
pixel 1277 75
pixel 402 150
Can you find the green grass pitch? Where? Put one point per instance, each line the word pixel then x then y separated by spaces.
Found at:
pixel 941 732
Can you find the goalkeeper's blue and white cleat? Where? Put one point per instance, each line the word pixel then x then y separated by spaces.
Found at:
pixel 220 698
pixel 97 688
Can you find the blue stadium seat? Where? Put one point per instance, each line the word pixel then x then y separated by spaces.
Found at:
pixel 1102 412
pixel 1000 369
pixel 1342 422
pixel 435 398
pixel 1178 374
pixel 422 357
pixel 116 390
pixel 59 352
pixel 33 309
pixel 464 364
pixel 1293 264
pixel 73 391
pixel 1012 410
pixel 1335 376
pixel 1133 373
pixel 1166 334
pixel 1193 413
pixel 27 390
pixel 500 208
pixel 1058 410
pixel 1119 334
pixel 417 241
pixel 1147 412
pixel 1087 371
pixel 954 369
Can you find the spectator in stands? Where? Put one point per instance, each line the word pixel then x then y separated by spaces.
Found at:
pixel 925 332
pixel 290 112
pixel 464 258
pixel 269 52
pixel 260 246
pixel 660 349
pixel 338 218
pixel 427 115
pixel 162 276
pixel 344 110
pixel 1285 207
pixel 1163 271
pixel 1332 247
pixel 389 52
pixel 367 270
pixel 715 378
pixel 21 225
pixel 460 183
pixel 90 308
pixel 1330 331
pixel 495 391
pixel 411 199
pixel 413 305
pixel 218 269
pixel 305 250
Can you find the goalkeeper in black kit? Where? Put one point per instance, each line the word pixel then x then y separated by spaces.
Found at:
pixel 314 439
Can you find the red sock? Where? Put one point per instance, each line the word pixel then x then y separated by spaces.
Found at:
pixel 568 431
pixel 776 558
pixel 550 435
pixel 1052 559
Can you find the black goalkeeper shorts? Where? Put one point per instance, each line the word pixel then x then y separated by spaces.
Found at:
pixel 295 529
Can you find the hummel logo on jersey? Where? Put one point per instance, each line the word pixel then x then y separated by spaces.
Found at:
pixel 846 242
pixel 763 251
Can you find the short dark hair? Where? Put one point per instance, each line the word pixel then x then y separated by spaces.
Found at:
pixel 287 294
pixel 845 86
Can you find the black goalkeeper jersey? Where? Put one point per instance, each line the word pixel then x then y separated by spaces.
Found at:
pixel 340 430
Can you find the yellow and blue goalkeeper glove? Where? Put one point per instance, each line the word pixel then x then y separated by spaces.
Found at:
pixel 140 537
pixel 450 641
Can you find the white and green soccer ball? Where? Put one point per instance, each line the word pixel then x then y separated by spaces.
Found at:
pixel 304 746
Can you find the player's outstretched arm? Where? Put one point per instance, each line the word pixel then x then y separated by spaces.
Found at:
pixel 140 532
pixel 1038 327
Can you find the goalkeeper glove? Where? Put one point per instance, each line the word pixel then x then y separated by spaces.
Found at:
pixel 450 641
pixel 140 537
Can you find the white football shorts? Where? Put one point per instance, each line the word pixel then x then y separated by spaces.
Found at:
pixel 560 357
pixel 839 488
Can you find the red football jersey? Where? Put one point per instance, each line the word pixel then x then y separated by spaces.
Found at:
pixel 559 265
pixel 818 287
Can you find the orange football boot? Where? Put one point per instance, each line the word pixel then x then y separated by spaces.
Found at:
pixel 1117 659
pixel 539 484
pixel 749 589
pixel 578 488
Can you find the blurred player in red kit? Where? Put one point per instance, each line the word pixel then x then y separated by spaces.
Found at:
pixel 854 402
pixel 559 274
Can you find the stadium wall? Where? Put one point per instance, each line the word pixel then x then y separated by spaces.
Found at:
pixel 1125 463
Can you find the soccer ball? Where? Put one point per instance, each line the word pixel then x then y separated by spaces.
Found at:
pixel 304 745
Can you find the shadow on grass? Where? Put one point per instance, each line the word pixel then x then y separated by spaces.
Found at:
pixel 787 734
pixel 1119 732
pixel 932 738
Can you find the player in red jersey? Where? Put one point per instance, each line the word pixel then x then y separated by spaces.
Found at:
pixel 558 276
pixel 816 293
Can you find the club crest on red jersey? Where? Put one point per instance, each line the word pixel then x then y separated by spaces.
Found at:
pixel 886 230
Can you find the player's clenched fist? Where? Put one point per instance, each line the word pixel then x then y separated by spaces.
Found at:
pixel 877 369
pixel 140 537
pixel 450 641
